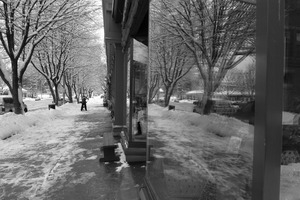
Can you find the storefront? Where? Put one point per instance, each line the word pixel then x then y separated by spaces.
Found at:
pixel 193 156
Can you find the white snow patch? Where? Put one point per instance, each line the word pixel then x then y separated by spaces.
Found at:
pixel 84 178
pixel 42 148
pixel 92 157
pixel 123 162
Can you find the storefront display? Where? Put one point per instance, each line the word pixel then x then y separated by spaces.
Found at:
pixel 195 155
pixel 238 138
pixel 137 91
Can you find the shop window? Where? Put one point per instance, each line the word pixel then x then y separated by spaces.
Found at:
pixel 199 149
pixel 290 157
pixel 137 92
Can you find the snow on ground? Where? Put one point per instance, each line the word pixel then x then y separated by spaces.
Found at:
pixel 43 136
pixel 41 146
pixel 33 105
pixel 208 145
pixel 201 145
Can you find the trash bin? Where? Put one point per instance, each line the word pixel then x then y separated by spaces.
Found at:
pixel 51 106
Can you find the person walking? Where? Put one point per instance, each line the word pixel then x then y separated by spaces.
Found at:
pixel 83 103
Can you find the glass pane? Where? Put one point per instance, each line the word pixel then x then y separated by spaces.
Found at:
pixel 137 91
pixel 129 93
pixel 290 166
pixel 201 99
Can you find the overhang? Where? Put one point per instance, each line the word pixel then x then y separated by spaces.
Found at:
pixel 125 19
pixel 135 21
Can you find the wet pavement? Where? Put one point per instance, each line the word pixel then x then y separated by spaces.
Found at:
pixel 77 174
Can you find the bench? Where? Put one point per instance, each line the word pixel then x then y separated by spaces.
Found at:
pixel 108 148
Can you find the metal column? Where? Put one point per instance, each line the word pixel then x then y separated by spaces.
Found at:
pixel 269 91
pixel 120 89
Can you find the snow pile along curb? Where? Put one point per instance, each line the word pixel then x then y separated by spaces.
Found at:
pixel 12 124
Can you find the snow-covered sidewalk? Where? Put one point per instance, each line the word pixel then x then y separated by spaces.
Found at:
pixel 189 148
pixel 50 152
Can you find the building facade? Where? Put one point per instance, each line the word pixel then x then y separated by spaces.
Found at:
pixel 192 156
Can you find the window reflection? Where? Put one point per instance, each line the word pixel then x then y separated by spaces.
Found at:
pixel 290 167
pixel 137 91
pixel 201 124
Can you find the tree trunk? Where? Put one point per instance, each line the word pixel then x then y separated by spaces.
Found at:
pixel 152 94
pixel 166 101
pixel 169 93
pixel 206 103
pixel 15 88
pixel 56 94
pixel 75 91
pixel 90 92
pixel 51 90
pixel 208 106
pixel 153 88
pixel 70 93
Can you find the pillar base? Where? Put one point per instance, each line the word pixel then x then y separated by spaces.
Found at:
pixel 117 130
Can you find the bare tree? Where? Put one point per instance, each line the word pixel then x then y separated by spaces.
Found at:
pixel 219 34
pixel 173 63
pixel 53 57
pixel 190 81
pixel 240 80
pixel 169 59
pixel 154 85
pixel 88 71
pixel 232 82
pixel 24 25
pixel 249 79
pixel 33 82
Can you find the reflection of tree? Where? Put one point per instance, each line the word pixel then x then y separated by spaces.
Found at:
pixel 154 82
pixel 173 63
pixel 190 81
pixel 169 58
pixel 219 34
pixel 153 85
pixel 238 80
pixel 232 82
pixel 249 79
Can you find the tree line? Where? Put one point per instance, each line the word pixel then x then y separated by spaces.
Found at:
pixel 212 36
pixel 52 36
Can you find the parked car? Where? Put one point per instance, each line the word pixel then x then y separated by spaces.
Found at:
pixel 220 106
pixel 7 104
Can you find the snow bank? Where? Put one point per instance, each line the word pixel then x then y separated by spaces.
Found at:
pixel 216 147
pixel 12 124
pixel 220 144
pixel 217 124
